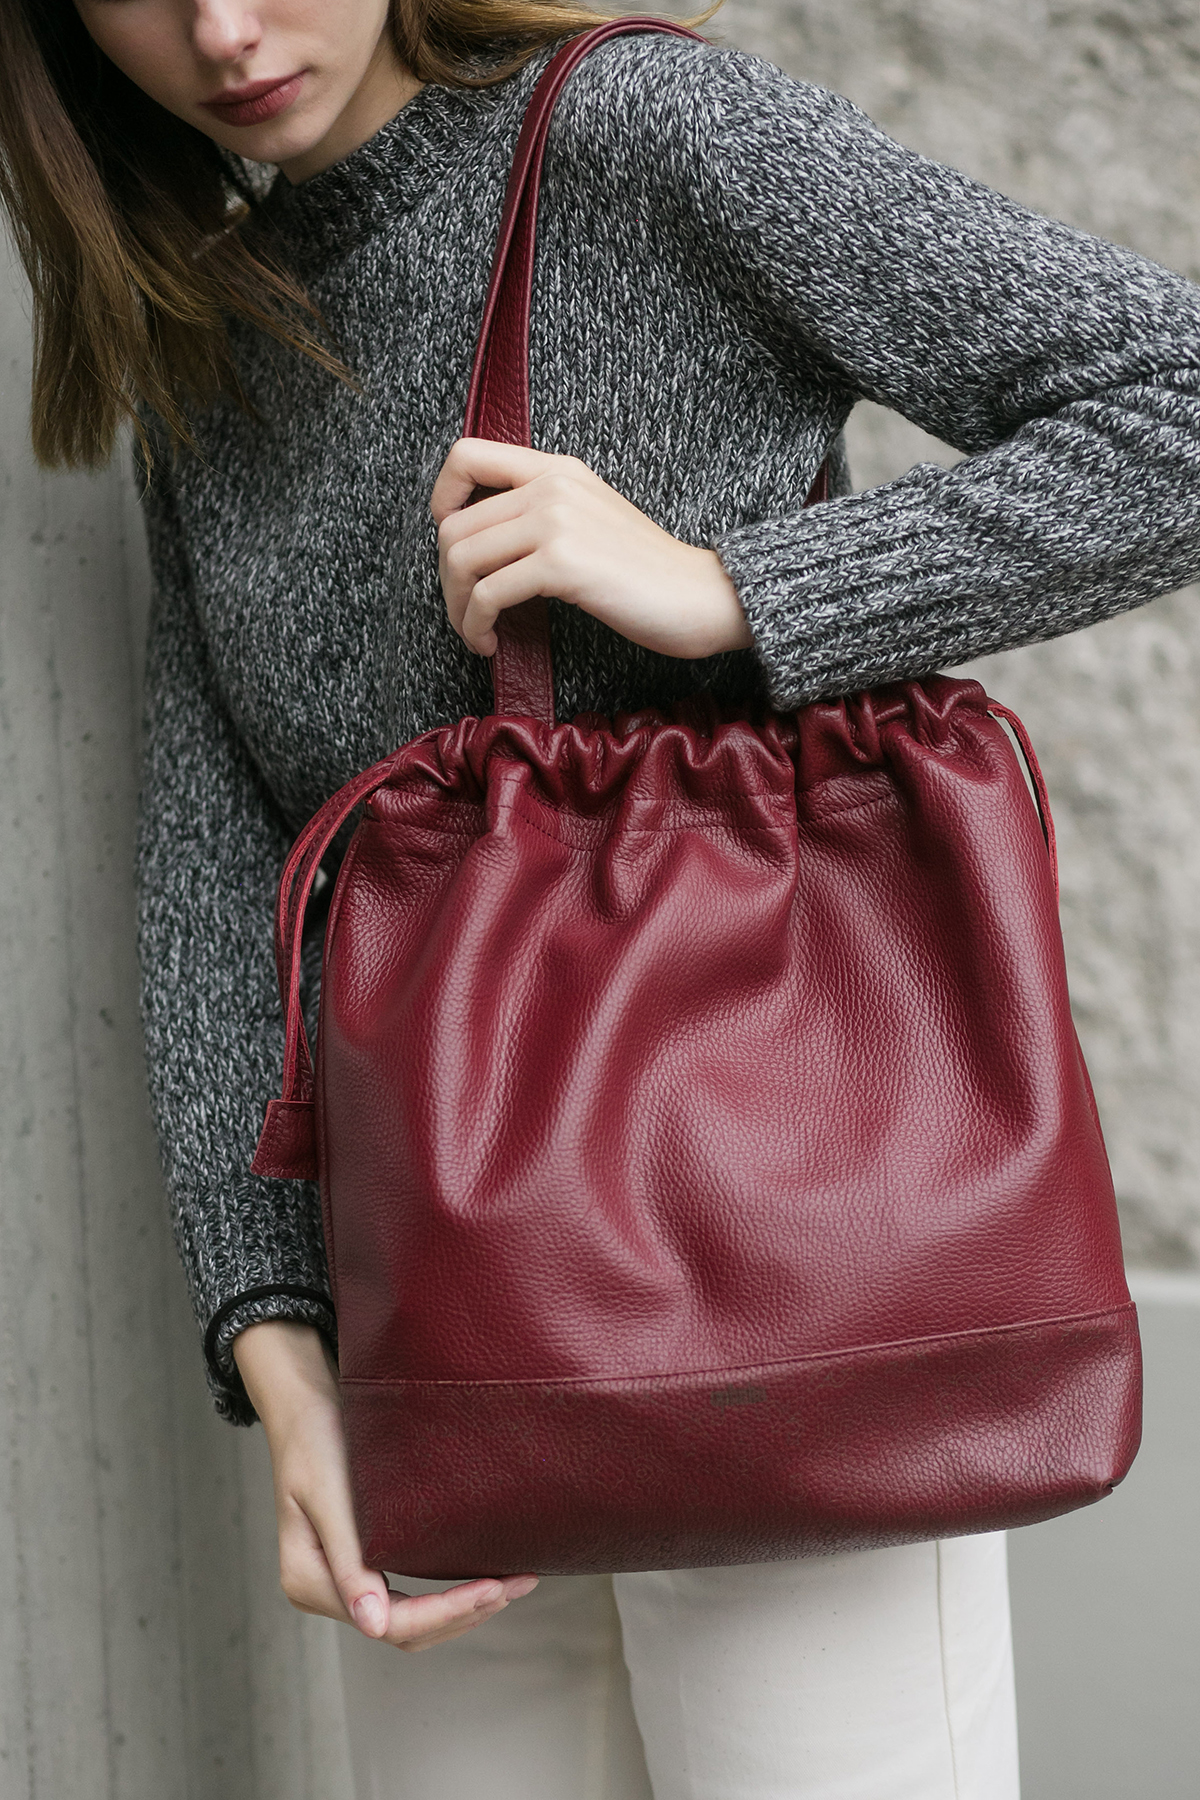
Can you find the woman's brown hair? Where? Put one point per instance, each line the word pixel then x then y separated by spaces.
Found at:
pixel 124 218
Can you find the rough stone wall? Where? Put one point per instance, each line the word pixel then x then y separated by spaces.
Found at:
pixel 1087 112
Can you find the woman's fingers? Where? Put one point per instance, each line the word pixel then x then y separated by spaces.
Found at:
pixel 479 463
pixel 484 574
pixel 304 1572
pixel 505 587
pixel 361 1594
pixel 468 559
pixel 520 542
pixel 321 1571
pixel 418 1621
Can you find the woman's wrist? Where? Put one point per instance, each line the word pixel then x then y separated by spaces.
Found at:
pixel 285 1367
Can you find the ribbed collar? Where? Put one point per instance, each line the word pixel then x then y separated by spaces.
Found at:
pixel 324 218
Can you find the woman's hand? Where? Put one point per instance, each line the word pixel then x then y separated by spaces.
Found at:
pixel 292 1383
pixel 557 529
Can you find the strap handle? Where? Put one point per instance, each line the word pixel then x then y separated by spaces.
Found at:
pixel 498 400
pixel 1041 793
pixel 287 1147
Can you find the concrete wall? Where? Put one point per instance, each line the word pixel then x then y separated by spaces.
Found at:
pixel 144 1651
pixel 1106 1603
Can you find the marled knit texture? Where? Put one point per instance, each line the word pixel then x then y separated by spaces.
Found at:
pixel 728 260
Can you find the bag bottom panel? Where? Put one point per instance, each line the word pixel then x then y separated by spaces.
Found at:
pixel 976 1432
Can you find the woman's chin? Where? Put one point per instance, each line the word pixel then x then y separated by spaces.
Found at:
pixel 292 141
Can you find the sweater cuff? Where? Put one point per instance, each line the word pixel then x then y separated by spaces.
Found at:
pixel 257 1305
pixel 828 595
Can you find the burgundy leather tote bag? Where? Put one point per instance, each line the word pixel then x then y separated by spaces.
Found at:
pixel 709 1169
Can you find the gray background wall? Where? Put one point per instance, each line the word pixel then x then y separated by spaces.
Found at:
pixel 144 1651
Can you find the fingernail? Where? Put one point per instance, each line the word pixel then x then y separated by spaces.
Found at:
pixel 488 1596
pixel 526 1585
pixel 369 1615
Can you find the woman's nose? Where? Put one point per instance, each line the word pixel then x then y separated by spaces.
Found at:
pixel 224 30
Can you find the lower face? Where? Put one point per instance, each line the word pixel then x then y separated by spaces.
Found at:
pixel 269 81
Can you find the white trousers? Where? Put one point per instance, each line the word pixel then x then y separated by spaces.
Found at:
pixel 885 1675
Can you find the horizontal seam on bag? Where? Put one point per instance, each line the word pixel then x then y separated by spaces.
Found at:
pixel 722 825
pixel 728 1370
pixel 609 828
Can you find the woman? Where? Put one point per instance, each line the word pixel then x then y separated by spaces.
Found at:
pixel 728 260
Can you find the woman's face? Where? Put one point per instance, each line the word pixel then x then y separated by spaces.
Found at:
pixel 299 83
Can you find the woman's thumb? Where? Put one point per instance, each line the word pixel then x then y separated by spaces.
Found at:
pixel 369 1610
pixel 363 1591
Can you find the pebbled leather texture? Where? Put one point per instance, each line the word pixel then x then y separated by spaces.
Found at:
pixel 710 1171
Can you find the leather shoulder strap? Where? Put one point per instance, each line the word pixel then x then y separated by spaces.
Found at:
pixel 498 400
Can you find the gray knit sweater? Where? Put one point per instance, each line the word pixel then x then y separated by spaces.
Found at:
pixel 728 260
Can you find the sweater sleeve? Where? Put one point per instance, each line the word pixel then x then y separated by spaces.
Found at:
pixel 211 847
pixel 1066 368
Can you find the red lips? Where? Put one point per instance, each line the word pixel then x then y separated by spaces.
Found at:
pixel 256 101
